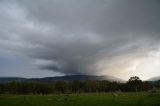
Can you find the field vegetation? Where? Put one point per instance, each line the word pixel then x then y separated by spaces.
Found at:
pixel 81 93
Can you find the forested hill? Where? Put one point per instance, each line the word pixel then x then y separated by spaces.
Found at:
pixel 65 78
pixel 10 79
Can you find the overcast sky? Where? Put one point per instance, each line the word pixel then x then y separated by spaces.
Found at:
pixel 44 38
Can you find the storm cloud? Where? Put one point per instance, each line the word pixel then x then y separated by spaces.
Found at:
pixel 98 37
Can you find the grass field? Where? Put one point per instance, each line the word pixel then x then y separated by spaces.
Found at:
pixel 102 99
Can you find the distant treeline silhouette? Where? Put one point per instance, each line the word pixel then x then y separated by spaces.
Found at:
pixel 134 84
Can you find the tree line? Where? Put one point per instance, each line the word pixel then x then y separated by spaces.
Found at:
pixel 134 84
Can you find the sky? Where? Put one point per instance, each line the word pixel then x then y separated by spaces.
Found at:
pixel 46 38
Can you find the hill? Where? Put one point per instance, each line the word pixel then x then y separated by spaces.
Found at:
pixel 154 78
pixel 66 78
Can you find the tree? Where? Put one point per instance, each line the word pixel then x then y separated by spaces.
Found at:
pixel 61 86
pixel 77 86
pixel 135 83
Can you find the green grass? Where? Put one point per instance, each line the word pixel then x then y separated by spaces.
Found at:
pixel 102 99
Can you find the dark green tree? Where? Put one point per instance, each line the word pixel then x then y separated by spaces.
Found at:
pixel 77 86
pixel 61 86
pixel 135 83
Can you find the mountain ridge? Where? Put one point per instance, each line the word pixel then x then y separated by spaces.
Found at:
pixel 65 78
pixel 154 78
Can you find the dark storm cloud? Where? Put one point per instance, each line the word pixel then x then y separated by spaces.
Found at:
pixel 79 37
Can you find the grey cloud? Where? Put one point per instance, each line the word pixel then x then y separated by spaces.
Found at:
pixel 77 35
